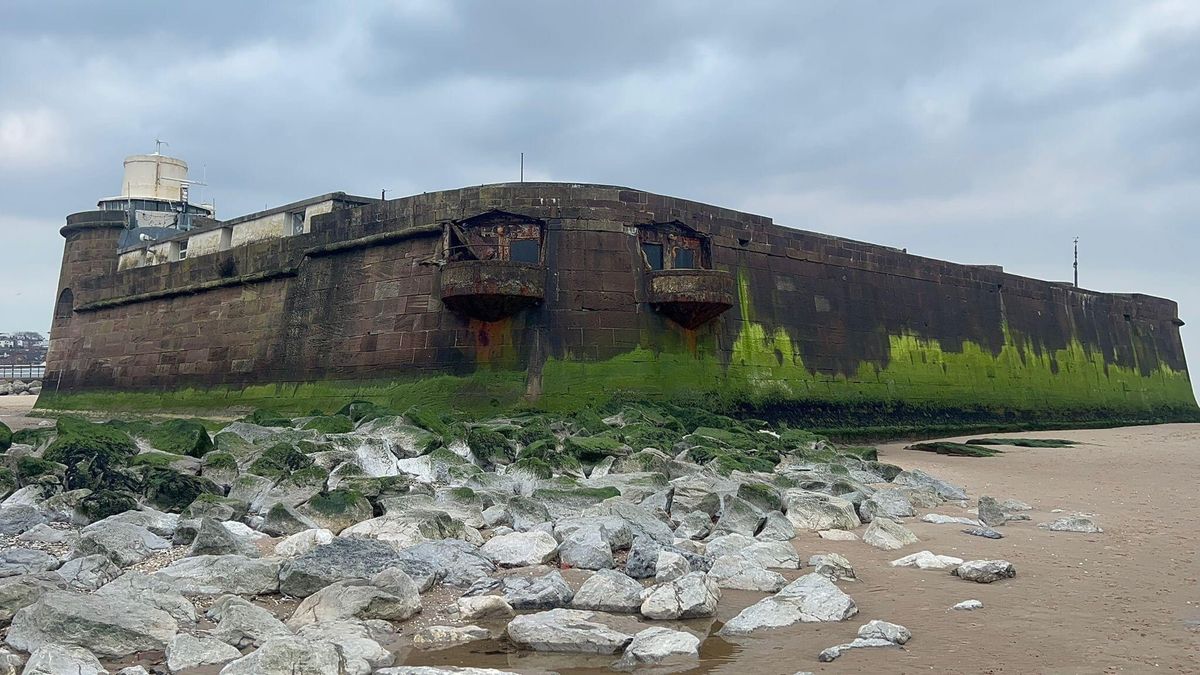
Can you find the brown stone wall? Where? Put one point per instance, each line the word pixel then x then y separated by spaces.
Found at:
pixel 359 298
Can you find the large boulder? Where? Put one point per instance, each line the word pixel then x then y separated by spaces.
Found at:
pixel 739 516
pixel 811 598
pixel 455 562
pixel 342 559
pixel 242 623
pixel 358 599
pixel 18 518
pixel 586 549
pixel 14 561
pixel 776 527
pixel 887 534
pixel 833 566
pixel 56 659
pixel 89 572
pixel 292 655
pixel 641 521
pixel 24 590
pixel 810 510
pixel 219 574
pixel 886 502
pixel 990 512
pixel 614 530
pixel 302 542
pixel 521 549
pixel 188 651
pixel 658 644
pixel 735 572
pixel 609 591
pixel 150 591
pixel 123 543
pixel 358 642
pixel 213 538
pixel 107 626
pixel 566 630
pixel 920 479
pixel 549 591
pixel 691 596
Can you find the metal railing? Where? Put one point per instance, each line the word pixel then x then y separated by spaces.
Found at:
pixel 22 372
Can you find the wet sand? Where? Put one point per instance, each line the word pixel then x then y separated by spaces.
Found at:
pixel 1125 601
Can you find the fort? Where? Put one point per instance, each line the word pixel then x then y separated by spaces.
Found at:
pixel 559 296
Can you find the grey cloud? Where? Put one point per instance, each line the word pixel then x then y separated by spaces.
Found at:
pixel 979 132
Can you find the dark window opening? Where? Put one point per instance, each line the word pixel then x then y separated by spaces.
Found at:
pixel 65 305
pixel 525 251
pixel 654 255
pixel 685 259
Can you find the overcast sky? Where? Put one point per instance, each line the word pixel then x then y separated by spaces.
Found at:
pixel 979 132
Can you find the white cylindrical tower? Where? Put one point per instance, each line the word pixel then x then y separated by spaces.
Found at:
pixel 154 177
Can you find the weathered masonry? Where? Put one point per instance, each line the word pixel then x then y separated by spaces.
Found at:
pixel 563 295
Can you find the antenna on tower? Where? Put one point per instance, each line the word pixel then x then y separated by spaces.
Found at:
pixel 522 167
pixel 1076 262
pixel 158 143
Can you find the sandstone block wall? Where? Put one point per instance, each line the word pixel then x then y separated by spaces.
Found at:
pixel 821 327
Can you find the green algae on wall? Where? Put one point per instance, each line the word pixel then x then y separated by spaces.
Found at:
pixel 764 369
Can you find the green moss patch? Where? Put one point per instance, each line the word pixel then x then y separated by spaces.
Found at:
pixel 280 459
pixel 267 418
pixel 955 449
pixel 101 504
pixel 29 467
pixel 1024 442
pixel 172 491
pixel 330 424
pixel 6 437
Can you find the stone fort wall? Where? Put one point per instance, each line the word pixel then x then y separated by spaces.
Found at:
pixel 820 329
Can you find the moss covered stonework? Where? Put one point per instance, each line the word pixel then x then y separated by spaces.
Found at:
pixel 822 332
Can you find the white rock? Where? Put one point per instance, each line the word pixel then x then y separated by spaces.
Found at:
pixel 835 651
pixel 521 549
pixel 187 651
pixel 833 566
pixel 927 560
pixel 884 630
pixel 968 605
pixel 888 535
pixel 291 655
pixel 811 598
pixel 302 542
pixel 670 566
pixel 609 591
pixel 474 608
pixel 691 596
pixel 657 644
pixel 809 510
pixel 939 519
pixel 985 571
pixel 735 572
pixel 434 637
pixel 566 630
pixel 397 531
pixel 1075 523
pixel 837 535
pixel 56 659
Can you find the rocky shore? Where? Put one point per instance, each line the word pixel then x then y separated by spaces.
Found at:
pixel 20 387
pixel 364 541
